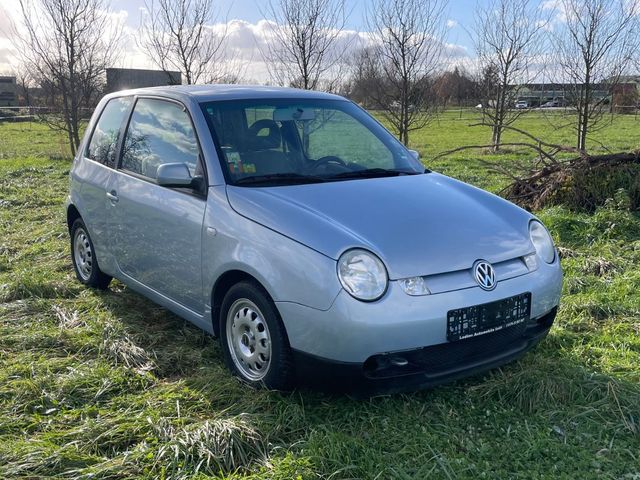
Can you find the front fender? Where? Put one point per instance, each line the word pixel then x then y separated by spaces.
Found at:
pixel 288 270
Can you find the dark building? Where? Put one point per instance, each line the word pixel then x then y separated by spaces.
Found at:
pixel 8 92
pixel 626 94
pixel 125 78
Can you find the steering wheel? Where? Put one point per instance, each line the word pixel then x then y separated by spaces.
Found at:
pixel 329 159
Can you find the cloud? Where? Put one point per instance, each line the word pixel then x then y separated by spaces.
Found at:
pixel 5 55
pixel 451 23
pixel 453 50
pixel 9 13
pixel 7 50
pixel 557 10
pixel 244 45
pixel 5 22
pixel 248 42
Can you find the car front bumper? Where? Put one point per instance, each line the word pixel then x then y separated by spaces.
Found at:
pixel 351 333
pixel 423 367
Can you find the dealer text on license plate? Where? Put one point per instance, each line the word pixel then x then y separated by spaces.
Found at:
pixel 489 317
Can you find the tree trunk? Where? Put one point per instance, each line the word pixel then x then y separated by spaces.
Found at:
pixel 67 118
pixel 404 105
pixel 496 138
pixel 583 111
pixel 501 107
pixel 496 130
pixel 583 129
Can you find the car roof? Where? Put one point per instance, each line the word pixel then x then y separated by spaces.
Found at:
pixel 207 93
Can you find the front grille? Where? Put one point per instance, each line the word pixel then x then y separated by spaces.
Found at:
pixel 450 355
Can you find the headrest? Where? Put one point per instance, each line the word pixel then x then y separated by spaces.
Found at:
pixel 264 135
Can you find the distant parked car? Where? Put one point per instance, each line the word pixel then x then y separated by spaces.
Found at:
pixel 551 104
pixel 395 105
pixel 522 104
pixel 299 231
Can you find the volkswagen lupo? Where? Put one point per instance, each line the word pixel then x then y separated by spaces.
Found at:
pixel 294 227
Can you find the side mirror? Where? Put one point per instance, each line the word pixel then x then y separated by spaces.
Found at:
pixel 415 154
pixel 174 175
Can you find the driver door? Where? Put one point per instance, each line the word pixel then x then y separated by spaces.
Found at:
pixel 158 230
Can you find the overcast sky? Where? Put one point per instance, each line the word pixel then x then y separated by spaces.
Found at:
pixel 246 28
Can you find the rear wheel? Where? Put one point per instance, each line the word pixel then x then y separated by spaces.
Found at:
pixel 84 258
pixel 253 337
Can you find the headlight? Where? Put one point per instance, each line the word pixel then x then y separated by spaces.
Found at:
pixel 542 241
pixel 362 274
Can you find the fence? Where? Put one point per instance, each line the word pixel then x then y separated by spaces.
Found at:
pixel 27 114
pixel 475 114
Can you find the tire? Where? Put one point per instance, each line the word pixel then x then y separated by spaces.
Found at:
pixel 254 340
pixel 84 259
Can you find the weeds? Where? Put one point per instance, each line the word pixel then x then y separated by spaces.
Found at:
pixel 121 349
pixel 222 445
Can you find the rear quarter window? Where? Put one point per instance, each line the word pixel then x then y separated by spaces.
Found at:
pixel 105 136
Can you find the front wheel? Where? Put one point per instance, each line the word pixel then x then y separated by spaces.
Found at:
pixel 84 258
pixel 254 340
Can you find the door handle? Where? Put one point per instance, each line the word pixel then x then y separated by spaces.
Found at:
pixel 112 196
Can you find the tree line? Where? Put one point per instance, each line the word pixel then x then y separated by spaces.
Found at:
pixel 400 65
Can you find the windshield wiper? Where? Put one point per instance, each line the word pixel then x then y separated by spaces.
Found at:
pixel 373 173
pixel 279 179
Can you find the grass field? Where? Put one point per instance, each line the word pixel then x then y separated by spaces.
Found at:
pixel 108 385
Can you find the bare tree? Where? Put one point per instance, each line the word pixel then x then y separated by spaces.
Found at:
pixel 303 51
pixel 24 84
pixel 67 45
pixel 507 36
pixel 363 77
pixel 407 38
pixel 594 45
pixel 178 35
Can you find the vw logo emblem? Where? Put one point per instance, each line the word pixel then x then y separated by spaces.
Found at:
pixel 485 275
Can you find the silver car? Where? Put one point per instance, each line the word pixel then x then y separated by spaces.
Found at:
pixel 294 227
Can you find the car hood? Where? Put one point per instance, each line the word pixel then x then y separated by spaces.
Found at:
pixel 417 224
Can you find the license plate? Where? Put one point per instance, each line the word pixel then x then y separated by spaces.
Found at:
pixel 489 317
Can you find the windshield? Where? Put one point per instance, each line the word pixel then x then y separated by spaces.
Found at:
pixel 289 141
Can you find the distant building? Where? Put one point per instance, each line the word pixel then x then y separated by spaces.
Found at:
pixel 626 94
pixel 538 94
pixel 8 92
pixel 125 78
pixel 559 94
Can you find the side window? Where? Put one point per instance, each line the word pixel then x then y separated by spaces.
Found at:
pixel 159 132
pixel 102 147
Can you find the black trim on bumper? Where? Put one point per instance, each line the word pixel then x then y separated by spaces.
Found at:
pixel 423 367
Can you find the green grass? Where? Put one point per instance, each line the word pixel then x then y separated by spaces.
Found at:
pixel 108 385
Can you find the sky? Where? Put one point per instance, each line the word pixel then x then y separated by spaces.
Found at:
pixel 246 29
pixel 459 14
pixel 459 11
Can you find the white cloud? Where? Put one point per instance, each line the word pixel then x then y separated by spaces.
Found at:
pixel 10 19
pixel 7 49
pixel 244 43
pixel 5 20
pixel 5 55
pixel 451 23
pixel 556 8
